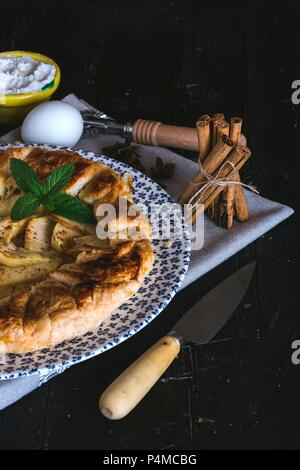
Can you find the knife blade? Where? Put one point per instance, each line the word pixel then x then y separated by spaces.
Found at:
pixel 198 325
pixel 206 318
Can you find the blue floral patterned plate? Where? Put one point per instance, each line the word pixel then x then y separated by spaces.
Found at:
pixel 171 262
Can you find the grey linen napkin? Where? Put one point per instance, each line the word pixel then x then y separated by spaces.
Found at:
pixel 219 244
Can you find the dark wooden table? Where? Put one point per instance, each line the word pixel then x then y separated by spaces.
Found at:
pixel 173 61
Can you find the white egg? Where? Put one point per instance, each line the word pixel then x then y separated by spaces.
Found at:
pixel 54 122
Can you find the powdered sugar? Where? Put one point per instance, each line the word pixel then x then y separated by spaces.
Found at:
pixel 23 75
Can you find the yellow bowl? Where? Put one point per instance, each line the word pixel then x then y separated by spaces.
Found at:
pixel 14 108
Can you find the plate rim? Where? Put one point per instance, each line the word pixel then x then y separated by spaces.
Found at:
pixel 58 367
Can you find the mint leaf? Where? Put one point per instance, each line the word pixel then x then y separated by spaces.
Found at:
pixel 24 207
pixel 25 177
pixel 47 194
pixel 69 207
pixel 59 178
pixel 48 203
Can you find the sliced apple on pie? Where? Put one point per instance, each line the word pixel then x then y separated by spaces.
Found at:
pixel 58 280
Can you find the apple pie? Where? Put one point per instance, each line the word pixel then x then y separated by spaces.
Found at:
pixel 58 280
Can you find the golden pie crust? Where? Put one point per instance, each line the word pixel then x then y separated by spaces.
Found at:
pixel 83 292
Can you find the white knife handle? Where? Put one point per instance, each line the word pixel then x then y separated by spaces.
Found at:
pixel 134 383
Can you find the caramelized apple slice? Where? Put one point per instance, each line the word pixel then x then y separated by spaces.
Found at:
pixel 7 204
pixel 62 238
pixel 38 234
pixel 11 276
pixel 11 255
pixel 9 229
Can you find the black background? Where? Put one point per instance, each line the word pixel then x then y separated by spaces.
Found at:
pixel 173 61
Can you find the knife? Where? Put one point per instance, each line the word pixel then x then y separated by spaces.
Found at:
pixel 198 325
pixel 143 131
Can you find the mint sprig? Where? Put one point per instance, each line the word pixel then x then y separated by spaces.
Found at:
pixel 59 178
pixel 24 207
pixel 47 194
pixel 70 208
pixel 25 177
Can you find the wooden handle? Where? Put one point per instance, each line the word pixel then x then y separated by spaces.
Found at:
pixel 155 133
pixel 135 382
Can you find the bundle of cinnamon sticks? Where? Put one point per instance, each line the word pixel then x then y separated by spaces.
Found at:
pixel 217 187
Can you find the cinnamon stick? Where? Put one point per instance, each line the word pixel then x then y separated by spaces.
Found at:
pixel 221 209
pixel 240 202
pixel 242 213
pixel 203 132
pixel 236 129
pixel 227 219
pixel 222 128
pixel 210 165
pixel 237 157
pixel 213 209
pixel 215 119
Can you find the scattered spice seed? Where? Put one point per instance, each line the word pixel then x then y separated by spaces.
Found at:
pixel 126 153
pixel 162 171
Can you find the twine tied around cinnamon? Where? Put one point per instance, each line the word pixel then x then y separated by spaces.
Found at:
pixel 215 180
